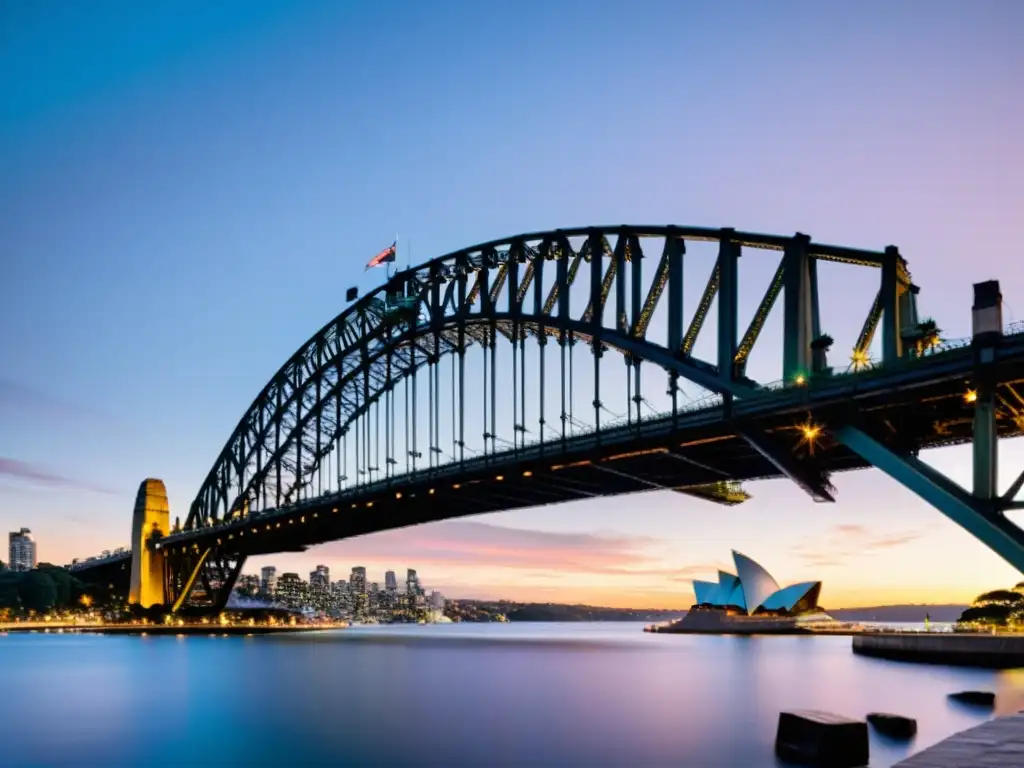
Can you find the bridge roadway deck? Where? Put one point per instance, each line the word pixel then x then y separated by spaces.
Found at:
pixel 917 406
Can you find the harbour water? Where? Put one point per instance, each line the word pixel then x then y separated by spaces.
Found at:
pixel 453 695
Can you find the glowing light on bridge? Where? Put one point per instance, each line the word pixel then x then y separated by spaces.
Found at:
pixel 970 396
pixel 859 360
pixel 809 434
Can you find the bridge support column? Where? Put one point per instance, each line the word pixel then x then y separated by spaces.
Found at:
pixel 728 304
pixel 899 305
pixel 980 511
pixel 799 302
pixel 151 516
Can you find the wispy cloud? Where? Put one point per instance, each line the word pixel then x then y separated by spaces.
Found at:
pixel 463 543
pixel 19 398
pixel 845 541
pixel 23 472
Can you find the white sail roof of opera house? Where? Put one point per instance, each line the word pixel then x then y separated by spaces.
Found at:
pixel 752 588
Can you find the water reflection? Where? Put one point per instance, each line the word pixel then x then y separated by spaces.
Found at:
pixel 454 695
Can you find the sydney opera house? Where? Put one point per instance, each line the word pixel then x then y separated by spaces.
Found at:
pixel 752 601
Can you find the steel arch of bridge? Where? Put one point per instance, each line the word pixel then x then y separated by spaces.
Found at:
pixel 495 291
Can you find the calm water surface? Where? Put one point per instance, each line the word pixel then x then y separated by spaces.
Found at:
pixel 452 695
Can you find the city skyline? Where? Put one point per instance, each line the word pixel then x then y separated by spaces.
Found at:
pixel 199 155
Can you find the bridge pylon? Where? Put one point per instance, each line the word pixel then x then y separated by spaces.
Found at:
pixel 980 510
pixel 151 517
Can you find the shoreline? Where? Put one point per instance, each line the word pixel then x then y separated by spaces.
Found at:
pixel 168 629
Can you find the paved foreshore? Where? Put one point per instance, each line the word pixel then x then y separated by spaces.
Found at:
pixel 998 742
pixel 972 650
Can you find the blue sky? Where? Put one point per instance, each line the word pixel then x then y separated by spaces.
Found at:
pixel 187 190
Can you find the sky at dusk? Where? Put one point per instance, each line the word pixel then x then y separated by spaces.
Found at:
pixel 186 190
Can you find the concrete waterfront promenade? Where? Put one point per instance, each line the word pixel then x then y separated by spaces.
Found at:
pixel 998 742
pixel 973 650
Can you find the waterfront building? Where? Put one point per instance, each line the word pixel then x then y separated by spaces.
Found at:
pixel 437 601
pixel 21 551
pixel 390 582
pixel 268 580
pixel 753 591
pixel 248 586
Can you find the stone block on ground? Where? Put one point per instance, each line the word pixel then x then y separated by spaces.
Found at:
pixel 979 698
pixel 822 740
pixel 896 726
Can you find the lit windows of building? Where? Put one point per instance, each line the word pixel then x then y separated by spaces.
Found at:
pixel 357 582
pixel 291 590
pixel 248 586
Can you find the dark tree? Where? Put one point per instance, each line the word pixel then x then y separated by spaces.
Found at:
pixel 1003 596
pixel 9 595
pixel 823 342
pixel 37 591
pixel 987 614
pixel 62 580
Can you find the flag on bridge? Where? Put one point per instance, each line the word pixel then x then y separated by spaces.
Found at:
pixel 384 257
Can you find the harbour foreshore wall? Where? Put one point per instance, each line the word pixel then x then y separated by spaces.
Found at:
pixel 972 650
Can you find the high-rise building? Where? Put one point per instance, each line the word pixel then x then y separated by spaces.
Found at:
pixel 321 577
pixel 357 582
pixel 412 583
pixel 268 580
pixel 357 591
pixel 437 601
pixel 22 551
pixel 390 582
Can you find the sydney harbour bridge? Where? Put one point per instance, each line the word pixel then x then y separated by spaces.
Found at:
pixel 559 366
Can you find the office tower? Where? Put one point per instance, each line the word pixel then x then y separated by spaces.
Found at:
pixel 321 577
pixel 390 581
pixel 22 551
pixel 412 583
pixel 268 580
pixel 357 583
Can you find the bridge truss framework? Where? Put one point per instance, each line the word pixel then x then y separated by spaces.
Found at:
pixel 523 307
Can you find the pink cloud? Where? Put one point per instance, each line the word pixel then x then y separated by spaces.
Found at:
pixel 467 544
pixel 845 541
